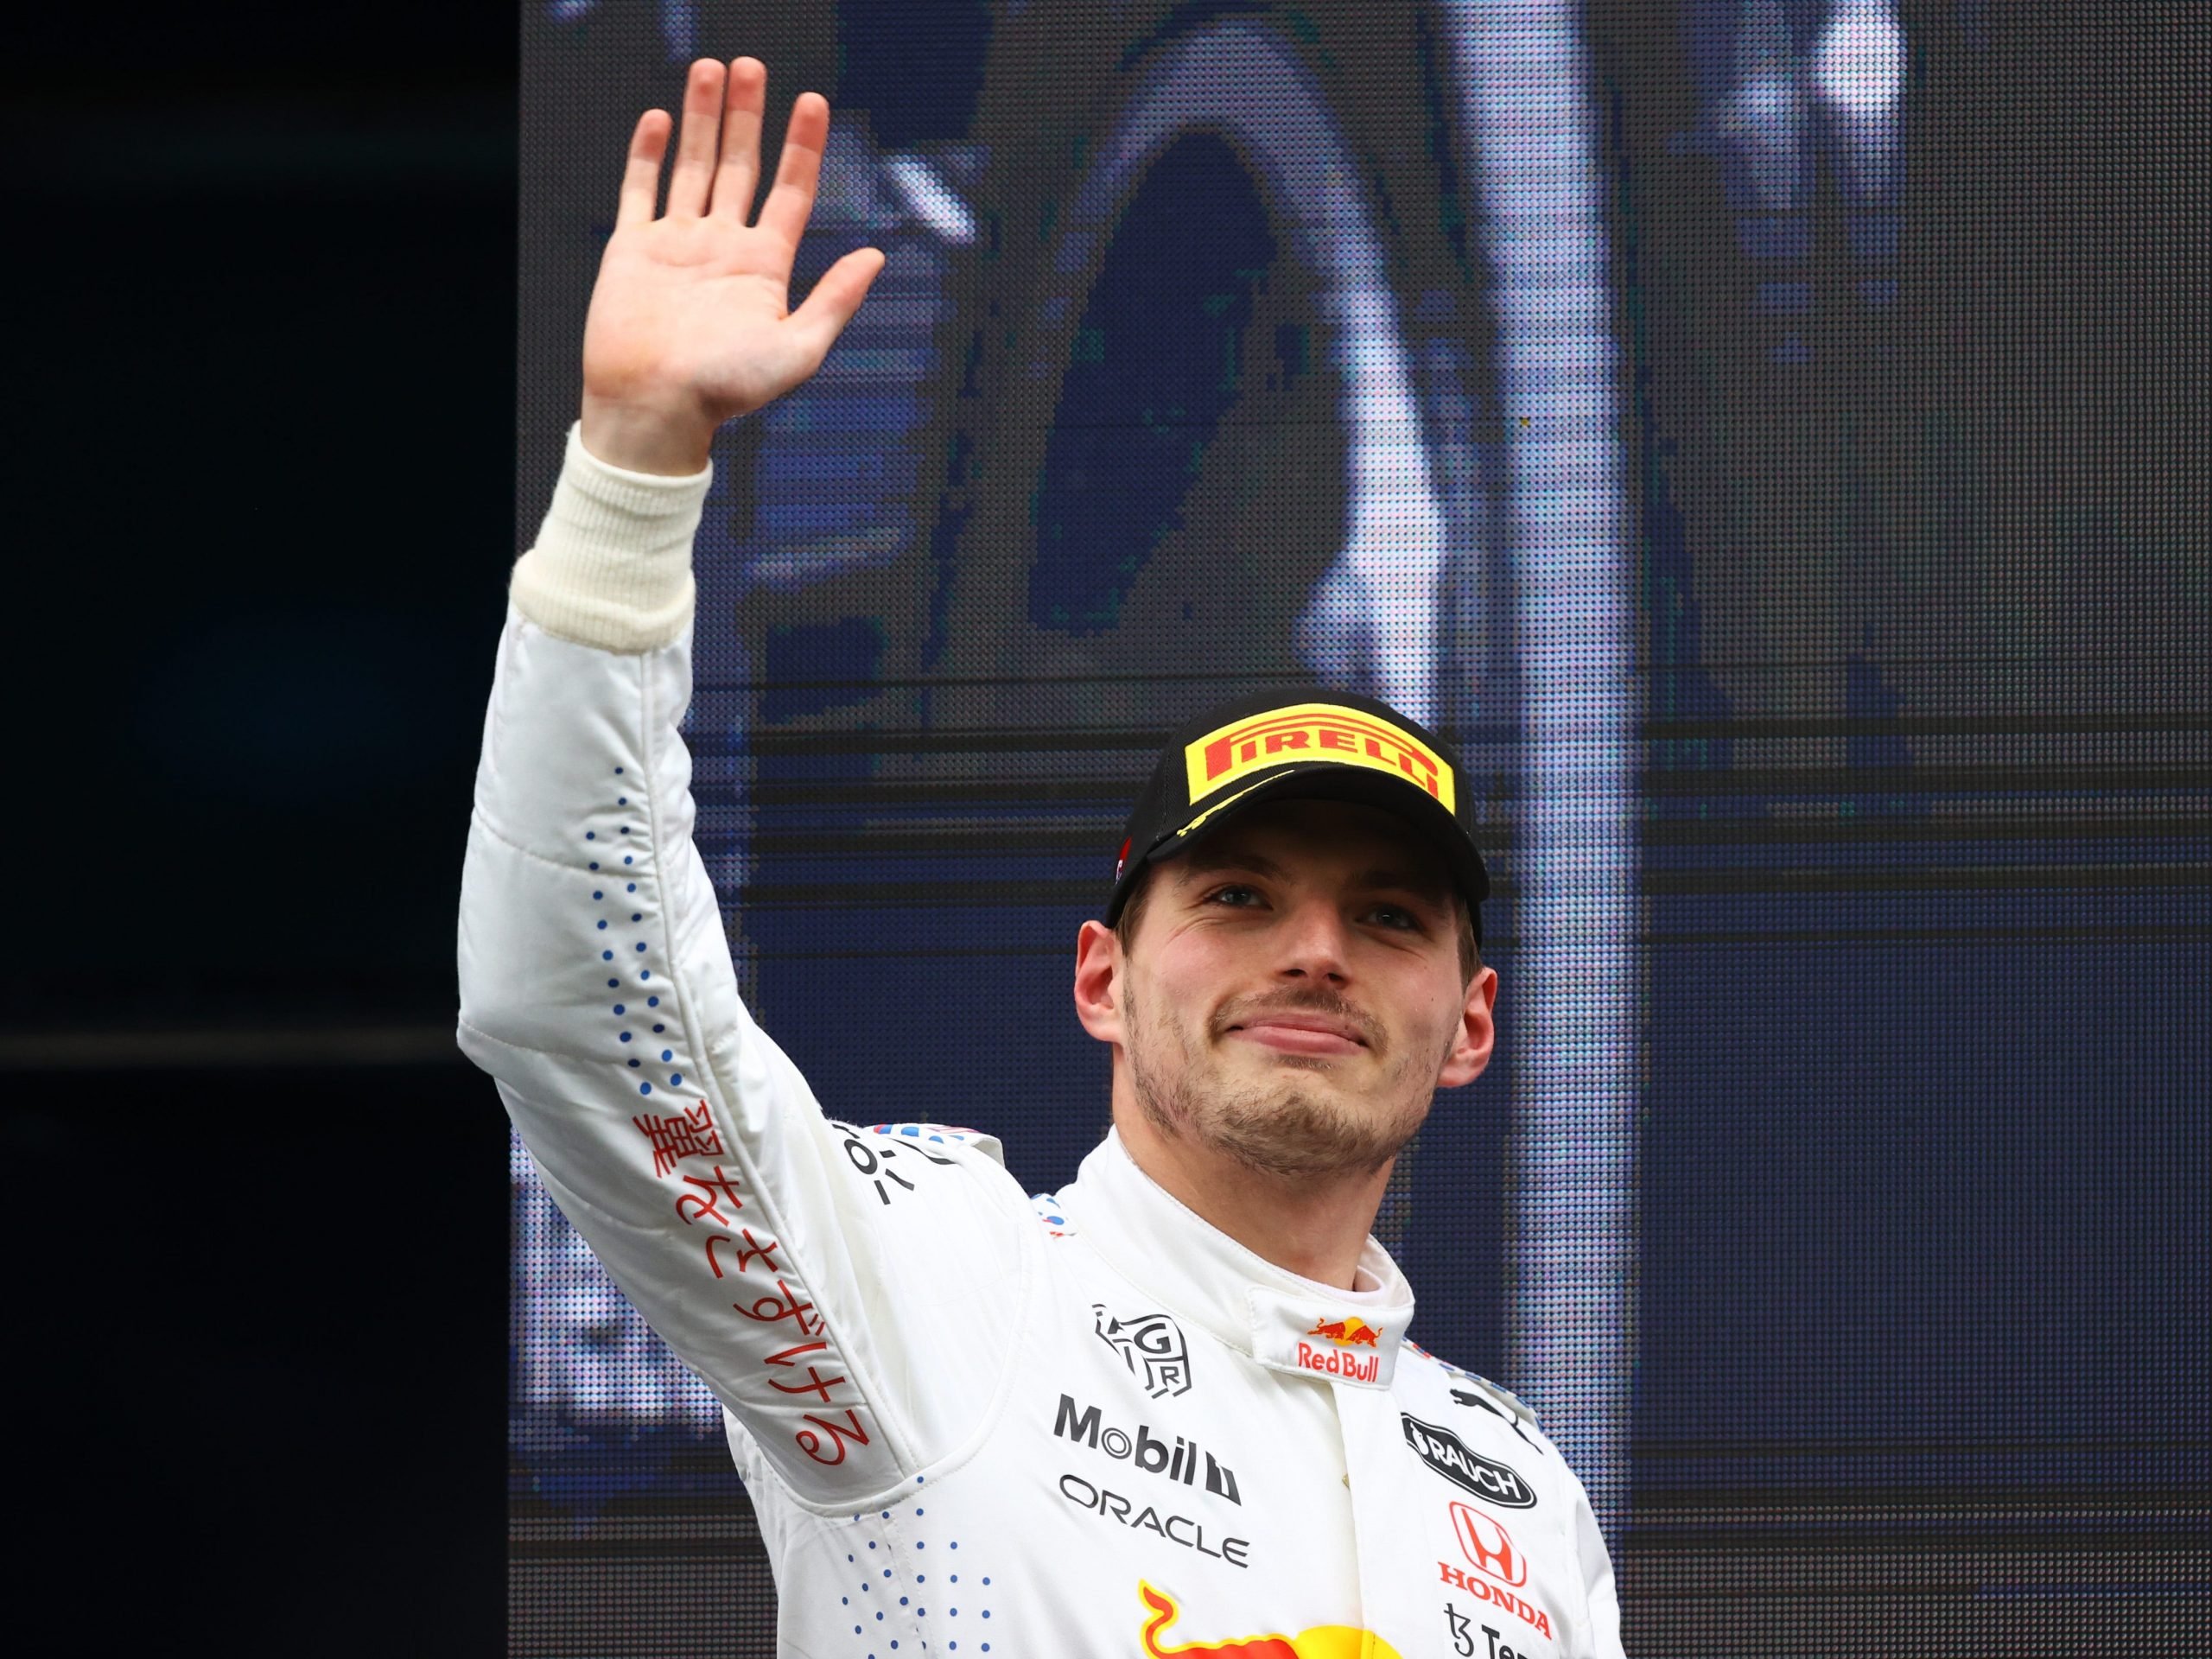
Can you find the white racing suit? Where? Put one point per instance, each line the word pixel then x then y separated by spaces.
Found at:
pixel 971 1422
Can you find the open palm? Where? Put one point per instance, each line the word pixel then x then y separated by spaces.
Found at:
pixel 689 324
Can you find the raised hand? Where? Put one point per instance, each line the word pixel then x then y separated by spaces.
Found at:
pixel 688 324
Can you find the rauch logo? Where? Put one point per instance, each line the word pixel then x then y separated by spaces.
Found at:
pixel 1486 1477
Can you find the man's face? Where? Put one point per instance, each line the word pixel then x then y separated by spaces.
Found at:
pixel 1292 996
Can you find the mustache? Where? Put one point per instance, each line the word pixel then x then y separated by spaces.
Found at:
pixel 1243 1010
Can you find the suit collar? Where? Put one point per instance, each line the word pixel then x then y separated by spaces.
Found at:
pixel 1199 1273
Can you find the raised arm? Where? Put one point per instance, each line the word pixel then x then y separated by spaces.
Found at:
pixel 803 1270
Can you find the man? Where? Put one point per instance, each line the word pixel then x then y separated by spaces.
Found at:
pixel 1170 1409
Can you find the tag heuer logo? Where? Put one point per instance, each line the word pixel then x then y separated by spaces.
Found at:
pixel 1487 1478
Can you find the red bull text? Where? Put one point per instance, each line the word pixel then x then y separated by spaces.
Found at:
pixel 1350 1331
pixel 1334 1362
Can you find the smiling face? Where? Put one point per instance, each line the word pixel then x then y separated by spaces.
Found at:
pixel 1291 993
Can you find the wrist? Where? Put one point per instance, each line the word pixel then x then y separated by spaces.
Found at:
pixel 646 440
pixel 612 565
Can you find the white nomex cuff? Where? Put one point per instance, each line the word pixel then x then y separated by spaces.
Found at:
pixel 612 565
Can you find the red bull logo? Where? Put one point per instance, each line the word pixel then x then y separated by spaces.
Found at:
pixel 1334 1362
pixel 1350 1331
pixel 1320 1642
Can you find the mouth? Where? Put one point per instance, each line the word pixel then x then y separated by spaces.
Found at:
pixel 1299 1033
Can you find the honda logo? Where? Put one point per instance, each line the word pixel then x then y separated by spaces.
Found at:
pixel 1486 1543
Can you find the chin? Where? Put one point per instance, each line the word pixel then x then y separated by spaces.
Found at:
pixel 1300 1132
pixel 1321 1063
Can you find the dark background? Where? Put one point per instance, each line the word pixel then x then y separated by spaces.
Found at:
pixel 259 430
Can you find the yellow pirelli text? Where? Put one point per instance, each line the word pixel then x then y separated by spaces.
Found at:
pixel 1313 731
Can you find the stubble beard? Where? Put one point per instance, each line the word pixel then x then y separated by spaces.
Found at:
pixel 1276 1126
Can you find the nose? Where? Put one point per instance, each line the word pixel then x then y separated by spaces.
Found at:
pixel 1313 941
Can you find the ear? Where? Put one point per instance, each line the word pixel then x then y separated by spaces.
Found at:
pixel 1477 1033
pixel 1099 986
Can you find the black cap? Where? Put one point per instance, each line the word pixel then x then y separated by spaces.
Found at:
pixel 1304 743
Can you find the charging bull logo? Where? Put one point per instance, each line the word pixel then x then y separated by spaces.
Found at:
pixel 1313 731
pixel 1350 1331
pixel 1321 1642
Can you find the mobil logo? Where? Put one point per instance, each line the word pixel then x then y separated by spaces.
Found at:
pixel 1171 1456
pixel 1449 1456
pixel 1484 1541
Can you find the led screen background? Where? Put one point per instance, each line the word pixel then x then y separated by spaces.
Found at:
pixel 1753 434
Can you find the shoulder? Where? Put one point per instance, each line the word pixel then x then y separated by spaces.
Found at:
pixel 1457 1380
pixel 939 1142
pixel 1459 1404
pixel 1052 1215
pixel 923 1157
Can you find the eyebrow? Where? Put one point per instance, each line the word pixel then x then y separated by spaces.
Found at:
pixel 1203 861
pixel 1435 889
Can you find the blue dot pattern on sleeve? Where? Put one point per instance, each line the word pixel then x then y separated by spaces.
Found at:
pixel 599 925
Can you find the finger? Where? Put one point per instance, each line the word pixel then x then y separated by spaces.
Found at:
pixel 694 174
pixel 798 169
pixel 740 174
pixel 837 295
pixel 641 169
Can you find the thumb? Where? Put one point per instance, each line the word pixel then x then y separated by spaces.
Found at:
pixel 837 295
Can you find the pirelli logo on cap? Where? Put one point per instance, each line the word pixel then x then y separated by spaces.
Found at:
pixel 1313 731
